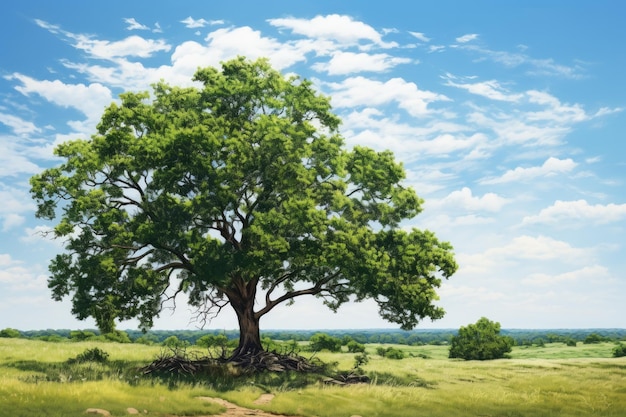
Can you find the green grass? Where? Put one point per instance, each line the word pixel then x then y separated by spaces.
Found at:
pixel 554 380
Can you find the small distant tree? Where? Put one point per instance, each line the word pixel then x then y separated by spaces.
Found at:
pixel 118 336
pixel 355 347
pixel 480 341
pixel 174 342
pixel 10 333
pixel 390 353
pixel 619 351
pixel 594 338
pixel 323 341
pixel 212 340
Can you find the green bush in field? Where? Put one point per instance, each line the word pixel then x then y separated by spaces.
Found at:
pixel 91 355
pixel 118 336
pixel 10 333
pixel 390 353
pixel 322 341
pixel 355 347
pixel 211 340
pixel 174 342
pixel 619 351
pixel 480 341
pixel 81 335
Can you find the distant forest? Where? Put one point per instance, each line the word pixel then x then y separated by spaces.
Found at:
pixel 391 336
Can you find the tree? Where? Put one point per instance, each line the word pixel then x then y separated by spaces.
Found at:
pixel 323 341
pixel 480 341
pixel 10 333
pixel 234 191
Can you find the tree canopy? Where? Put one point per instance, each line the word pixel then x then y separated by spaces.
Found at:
pixel 236 191
pixel 480 341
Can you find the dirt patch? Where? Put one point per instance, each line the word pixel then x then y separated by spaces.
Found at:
pixel 233 410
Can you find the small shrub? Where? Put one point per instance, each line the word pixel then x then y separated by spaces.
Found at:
pixel 91 355
pixel 361 359
pixel 355 347
pixel 570 342
pixel 118 336
pixel 619 351
pixel 390 353
pixel 594 338
pixel 174 342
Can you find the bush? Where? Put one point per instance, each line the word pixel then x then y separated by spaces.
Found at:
pixel 10 333
pixel 210 340
pixel 118 336
pixel 390 353
pixel 570 342
pixel 480 341
pixel 594 338
pixel 91 355
pixel 322 341
pixel 619 351
pixel 174 342
pixel 355 347
pixel 81 335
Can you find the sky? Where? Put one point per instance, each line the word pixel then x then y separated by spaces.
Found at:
pixel 509 119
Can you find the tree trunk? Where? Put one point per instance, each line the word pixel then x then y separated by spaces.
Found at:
pixel 249 333
pixel 242 301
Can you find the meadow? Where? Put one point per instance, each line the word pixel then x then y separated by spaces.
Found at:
pixel 552 380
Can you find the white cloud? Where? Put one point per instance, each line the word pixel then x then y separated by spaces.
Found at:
pixel 12 220
pixel 133 24
pixel 18 125
pixel 490 89
pixel 464 200
pixel 519 251
pixel 587 275
pixel 552 166
pixel 361 91
pixel 341 29
pixel 192 23
pixel 343 63
pixel 419 35
pixel 132 46
pixel 564 212
pixel 467 38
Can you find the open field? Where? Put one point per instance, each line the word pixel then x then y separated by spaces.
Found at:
pixel 554 380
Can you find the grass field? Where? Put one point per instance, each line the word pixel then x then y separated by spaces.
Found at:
pixel 554 380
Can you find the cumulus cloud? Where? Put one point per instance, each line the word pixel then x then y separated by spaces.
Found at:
pixel 564 212
pixel 343 63
pixel 361 91
pixel 339 28
pixel 552 166
pixel 132 46
pixel 464 200
pixel 88 99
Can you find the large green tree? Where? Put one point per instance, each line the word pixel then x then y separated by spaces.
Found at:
pixel 237 191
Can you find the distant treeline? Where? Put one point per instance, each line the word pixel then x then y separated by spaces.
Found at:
pixel 413 337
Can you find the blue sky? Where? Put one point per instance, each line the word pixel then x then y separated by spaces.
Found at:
pixel 509 118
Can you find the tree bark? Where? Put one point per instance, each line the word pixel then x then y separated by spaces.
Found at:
pixel 242 298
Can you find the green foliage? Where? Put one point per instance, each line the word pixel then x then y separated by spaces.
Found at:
pixel 323 341
pixel 210 340
pixel 390 352
pixel 619 350
pixel 118 336
pixel 91 355
pixel 10 333
pixel 595 338
pixel 355 347
pixel 81 335
pixel 174 342
pixel 238 190
pixel 570 342
pixel 361 359
pixel 480 341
